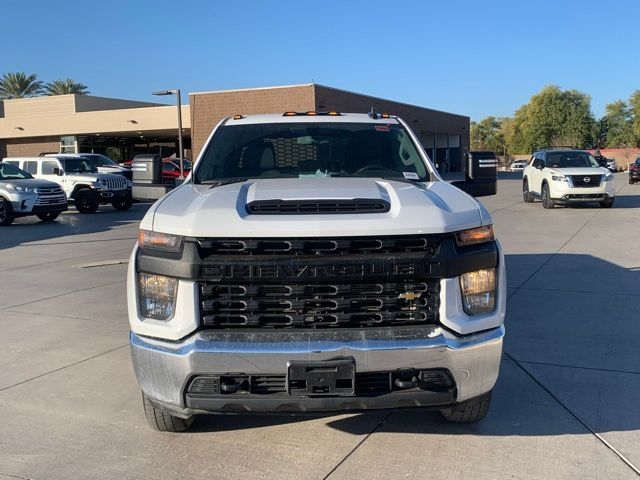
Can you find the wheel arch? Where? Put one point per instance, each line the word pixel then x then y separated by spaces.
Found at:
pixel 77 188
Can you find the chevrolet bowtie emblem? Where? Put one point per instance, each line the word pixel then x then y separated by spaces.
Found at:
pixel 410 295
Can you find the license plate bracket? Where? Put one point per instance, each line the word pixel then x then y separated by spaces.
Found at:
pixel 326 378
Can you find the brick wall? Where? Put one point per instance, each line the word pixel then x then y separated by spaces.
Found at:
pixel 30 147
pixel 207 109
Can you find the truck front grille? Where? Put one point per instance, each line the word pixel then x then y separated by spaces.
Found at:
pixel 116 182
pixel 580 181
pixel 50 196
pixel 319 305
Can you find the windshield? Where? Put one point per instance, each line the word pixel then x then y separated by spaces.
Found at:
pixel 9 172
pixel 281 150
pixel 101 160
pixel 571 160
pixel 78 165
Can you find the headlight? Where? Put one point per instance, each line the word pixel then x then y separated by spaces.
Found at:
pixel 478 291
pixel 157 296
pixel 21 188
pixel 474 236
pixel 159 241
pixel 608 177
pixel 559 178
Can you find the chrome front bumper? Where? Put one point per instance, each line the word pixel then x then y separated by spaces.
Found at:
pixel 164 368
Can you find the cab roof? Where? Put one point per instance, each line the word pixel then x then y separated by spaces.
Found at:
pixel 306 118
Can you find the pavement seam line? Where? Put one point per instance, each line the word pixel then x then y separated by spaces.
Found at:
pixel 15 476
pixel 608 294
pixel 79 241
pixel 61 295
pixel 530 362
pixel 602 440
pixel 68 317
pixel 63 367
pixel 354 449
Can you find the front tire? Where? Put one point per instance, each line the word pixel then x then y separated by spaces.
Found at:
pixel 86 201
pixel 547 202
pixel 162 421
pixel 469 411
pixel 122 205
pixel 6 213
pixel 48 217
pixel 608 203
pixel 526 194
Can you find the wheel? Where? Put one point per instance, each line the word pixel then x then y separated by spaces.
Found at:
pixel 631 182
pixel 526 195
pixel 547 202
pixel 6 212
pixel 48 217
pixel 607 203
pixel 162 421
pixel 122 204
pixel 86 201
pixel 469 411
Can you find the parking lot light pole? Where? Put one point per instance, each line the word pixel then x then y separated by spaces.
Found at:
pixel 176 92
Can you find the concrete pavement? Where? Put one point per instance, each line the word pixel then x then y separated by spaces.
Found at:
pixel 565 405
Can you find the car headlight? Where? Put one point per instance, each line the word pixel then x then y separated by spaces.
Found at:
pixel 21 188
pixel 478 291
pixel 608 177
pixel 559 178
pixel 157 296
pixel 159 241
pixel 474 236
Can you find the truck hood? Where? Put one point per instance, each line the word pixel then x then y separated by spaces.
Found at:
pixel 91 177
pixel 29 182
pixel 203 211
pixel 116 169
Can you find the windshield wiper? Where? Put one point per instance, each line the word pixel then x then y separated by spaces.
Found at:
pixel 223 181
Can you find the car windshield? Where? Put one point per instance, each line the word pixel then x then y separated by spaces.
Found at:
pixel 78 165
pixel 571 160
pixel 101 161
pixel 281 150
pixel 9 172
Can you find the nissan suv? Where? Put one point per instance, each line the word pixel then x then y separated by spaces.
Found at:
pixel 79 178
pixel 21 195
pixel 565 176
pixel 315 262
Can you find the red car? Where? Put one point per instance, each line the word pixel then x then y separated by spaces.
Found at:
pixel 634 171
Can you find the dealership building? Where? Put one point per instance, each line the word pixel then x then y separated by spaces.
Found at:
pixel 122 129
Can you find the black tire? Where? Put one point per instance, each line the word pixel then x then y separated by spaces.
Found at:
pixel 162 421
pixel 607 203
pixel 547 202
pixel 526 194
pixel 6 213
pixel 48 217
pixel 122 205
pixel 631 182
pixel 86 201
pixel 469 411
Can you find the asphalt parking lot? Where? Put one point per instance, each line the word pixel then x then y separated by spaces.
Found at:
pixel 565 406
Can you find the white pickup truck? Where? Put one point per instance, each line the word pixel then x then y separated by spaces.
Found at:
pixel 315 262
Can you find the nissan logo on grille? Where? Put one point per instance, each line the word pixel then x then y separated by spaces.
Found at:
pixel 586 179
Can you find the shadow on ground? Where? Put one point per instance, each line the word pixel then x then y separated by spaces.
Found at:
pixel 31 230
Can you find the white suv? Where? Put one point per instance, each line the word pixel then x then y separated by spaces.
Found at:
pixel 80 180
pixel 567 175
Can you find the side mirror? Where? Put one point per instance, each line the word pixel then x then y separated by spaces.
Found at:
pixel 603 163
pixel 57 171
pixel 481 176
pixel 539 166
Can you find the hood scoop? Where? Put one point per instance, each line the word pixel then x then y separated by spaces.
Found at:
pixel 317 207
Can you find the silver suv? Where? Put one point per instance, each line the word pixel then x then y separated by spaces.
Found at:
pixel 21 195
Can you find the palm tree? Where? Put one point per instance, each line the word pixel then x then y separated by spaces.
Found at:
pixel 20 85
pixel 65 87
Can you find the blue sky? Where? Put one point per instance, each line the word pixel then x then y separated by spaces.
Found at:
pixel 476 58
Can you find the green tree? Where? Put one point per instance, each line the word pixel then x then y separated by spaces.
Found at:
pixel 553 117
pixel 634 108
pixel 19 85
pixel 617 126
pixel 65 87
pixel 487 135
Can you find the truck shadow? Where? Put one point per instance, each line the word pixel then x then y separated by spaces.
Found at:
pixel 31 230
pixel 566 365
